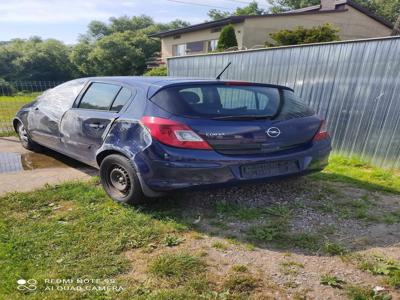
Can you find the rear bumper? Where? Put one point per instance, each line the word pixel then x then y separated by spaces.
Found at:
pixel 183 169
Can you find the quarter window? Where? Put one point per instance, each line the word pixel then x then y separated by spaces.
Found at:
pixel 99 96
pixel 122 98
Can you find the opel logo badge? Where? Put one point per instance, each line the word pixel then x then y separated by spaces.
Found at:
pixel 273 132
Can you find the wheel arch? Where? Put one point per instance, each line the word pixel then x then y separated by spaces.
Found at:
pixel 104 153
pixel 15 123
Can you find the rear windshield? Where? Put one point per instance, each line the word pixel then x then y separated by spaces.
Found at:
pixel 221 100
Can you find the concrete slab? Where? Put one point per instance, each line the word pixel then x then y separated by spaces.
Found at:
pixel 22 170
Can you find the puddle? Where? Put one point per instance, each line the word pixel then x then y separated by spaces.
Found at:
pixel 15 162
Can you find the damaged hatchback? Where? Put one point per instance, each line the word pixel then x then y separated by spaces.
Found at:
pixel 151 135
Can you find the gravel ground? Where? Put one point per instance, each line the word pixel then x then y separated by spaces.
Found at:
pixel 316 208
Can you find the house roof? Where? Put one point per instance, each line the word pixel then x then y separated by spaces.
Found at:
pixel 315 9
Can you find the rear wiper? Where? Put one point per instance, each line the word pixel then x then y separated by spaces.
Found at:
pixel 243 117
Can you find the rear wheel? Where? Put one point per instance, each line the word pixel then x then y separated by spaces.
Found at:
pixel 119 179
pixel 25 140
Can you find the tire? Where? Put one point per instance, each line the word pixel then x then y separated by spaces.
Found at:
pixel 120 181
pixel 25 140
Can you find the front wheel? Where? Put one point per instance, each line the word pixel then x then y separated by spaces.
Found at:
pixel 25 140
pixel 119 179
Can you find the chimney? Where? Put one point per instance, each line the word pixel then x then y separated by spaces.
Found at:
pixel 328 5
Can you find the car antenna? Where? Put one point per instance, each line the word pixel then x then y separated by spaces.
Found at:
pixel 220 74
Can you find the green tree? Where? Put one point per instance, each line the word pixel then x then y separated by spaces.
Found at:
pixel 301 35
pixel 216 14
pixel 389 9
pixel 278 6
pixel 116 54
pixel 227 38
pixel 121 33
pixel 251 9
pixel 35 59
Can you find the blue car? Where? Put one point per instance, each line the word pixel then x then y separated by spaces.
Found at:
pixel 151 135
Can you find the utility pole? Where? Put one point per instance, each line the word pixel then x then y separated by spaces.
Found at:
pixel 396 28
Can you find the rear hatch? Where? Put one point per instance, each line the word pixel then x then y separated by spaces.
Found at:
pixel 241 118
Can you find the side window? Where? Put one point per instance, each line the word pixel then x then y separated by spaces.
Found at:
pixel 123 96
pixel 56 101
pixel 99 96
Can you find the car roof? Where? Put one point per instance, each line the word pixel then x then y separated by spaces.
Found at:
pixel 155 83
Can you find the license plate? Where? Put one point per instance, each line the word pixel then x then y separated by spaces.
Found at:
pixel 273 168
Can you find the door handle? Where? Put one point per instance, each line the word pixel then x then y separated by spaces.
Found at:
pixel 96 125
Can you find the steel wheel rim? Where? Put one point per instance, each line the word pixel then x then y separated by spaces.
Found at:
pixel 118 180
pixel 23 135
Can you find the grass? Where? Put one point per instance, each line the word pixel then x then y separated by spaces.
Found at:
pixel 177 267
pixel 291 267
pixel 357 172
pixel 69 231
pixel 9 105
pixel 334 249
pixel 240 283
pixel 219 246
pixel 74 230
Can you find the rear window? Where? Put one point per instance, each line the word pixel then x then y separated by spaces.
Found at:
pixel 216 101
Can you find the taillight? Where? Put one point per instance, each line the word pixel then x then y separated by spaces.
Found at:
pixel 322 132
pixel 173 133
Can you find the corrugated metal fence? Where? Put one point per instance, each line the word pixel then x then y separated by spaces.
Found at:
pixel 354 85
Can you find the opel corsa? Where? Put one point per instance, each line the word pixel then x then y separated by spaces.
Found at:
pixel 151 135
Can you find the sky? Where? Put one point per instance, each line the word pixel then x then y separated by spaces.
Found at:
pixel 66 19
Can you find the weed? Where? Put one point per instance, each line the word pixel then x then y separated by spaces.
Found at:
pixel 363 293
pixel 334 249
pixel 332 281
pixel 378 265
pixel 219 245
pixel 172 240
pixel 239 268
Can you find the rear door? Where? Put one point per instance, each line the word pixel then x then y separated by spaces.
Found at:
pixel 83 128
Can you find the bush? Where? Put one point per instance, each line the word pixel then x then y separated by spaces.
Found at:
pixel 227 38
pixel 301 35
pixel 158 71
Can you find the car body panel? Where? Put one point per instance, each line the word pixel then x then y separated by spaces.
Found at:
pixel 88 135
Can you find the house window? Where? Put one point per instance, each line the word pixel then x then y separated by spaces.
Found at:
pixel 179 50
pixel 212 45
pixel 195 47
pixel 218 29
